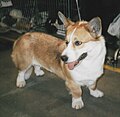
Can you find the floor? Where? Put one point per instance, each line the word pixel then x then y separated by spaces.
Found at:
pixel 47 96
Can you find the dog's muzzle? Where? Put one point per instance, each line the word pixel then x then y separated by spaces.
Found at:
pixel 71 65
pixel 64 58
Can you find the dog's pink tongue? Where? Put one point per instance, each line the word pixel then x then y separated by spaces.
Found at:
pixel 71 65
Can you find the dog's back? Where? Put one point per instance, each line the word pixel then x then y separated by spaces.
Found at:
pixel 38 47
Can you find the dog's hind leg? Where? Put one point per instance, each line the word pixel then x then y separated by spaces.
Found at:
pixel 22 76
pixel 28 73
pixel 38 71
pixel 94 91
pixel 21 79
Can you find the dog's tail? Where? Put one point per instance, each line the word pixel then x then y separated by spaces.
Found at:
pixel 28 73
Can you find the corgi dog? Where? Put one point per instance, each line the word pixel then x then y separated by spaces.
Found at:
pixel 78 59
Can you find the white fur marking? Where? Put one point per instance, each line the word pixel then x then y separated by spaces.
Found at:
pixel 20 79
pixel 72 33
pixel 28 73
pixel 37 68
pixel 77 103
pixel 96 93
pixel 38 71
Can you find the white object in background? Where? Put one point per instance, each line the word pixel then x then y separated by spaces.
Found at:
pixel 114 27
pixel 6 3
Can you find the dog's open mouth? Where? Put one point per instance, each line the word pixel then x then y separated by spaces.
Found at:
pixel 71 65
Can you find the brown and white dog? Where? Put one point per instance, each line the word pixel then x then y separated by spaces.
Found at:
pixel 78 60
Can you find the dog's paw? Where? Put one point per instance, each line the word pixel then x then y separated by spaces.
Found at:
pixel 96 93
pixel 20 84
pixel 39 72
pixel 77 103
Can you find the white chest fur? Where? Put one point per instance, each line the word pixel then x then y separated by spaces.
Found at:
pixel 91 68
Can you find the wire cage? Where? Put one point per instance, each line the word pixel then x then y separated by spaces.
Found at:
pixel 38 15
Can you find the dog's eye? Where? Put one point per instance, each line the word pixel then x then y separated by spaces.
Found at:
pixel 77 43
pixel 66 42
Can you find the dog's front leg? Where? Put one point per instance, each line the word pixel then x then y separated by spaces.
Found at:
pixel 94 91
pixel 76 92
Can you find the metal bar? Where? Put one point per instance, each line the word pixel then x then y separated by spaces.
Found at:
pixel 78 9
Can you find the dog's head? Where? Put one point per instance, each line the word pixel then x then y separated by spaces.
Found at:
pixel 79 35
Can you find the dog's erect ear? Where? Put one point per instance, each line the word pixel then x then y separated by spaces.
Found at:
pixel 95 27
pixel 65 20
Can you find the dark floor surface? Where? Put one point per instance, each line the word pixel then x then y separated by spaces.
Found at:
pixel 47 96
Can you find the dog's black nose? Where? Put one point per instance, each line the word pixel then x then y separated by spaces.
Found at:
pixel 64 58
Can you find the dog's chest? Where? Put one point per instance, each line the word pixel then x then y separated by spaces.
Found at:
pixel 86 83
pixel 84 79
